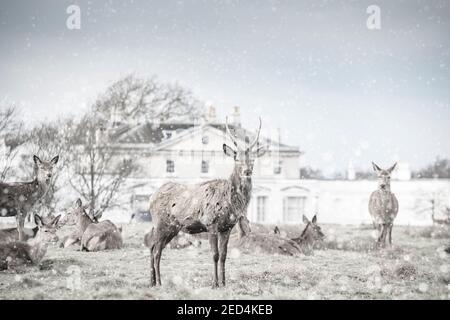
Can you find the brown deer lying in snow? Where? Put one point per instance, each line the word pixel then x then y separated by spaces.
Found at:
pixel 214 206
pixel 90 233
pixel 18 253
pixel 17 199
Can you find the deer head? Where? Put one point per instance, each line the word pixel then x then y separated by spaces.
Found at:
pixel 312 230
pixel 384 176
pixel 46 231
pixel 74 214
pixel 244 157
pixel 43 170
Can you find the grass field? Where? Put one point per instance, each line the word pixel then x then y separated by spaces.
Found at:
pixel 345 266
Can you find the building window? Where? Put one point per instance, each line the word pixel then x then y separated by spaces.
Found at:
pixel 170 166
pixel 261 202
pixel 205 166
pixel 277 168
pixel 205 139
pixel 293 208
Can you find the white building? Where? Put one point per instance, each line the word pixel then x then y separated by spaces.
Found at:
pixel 192 152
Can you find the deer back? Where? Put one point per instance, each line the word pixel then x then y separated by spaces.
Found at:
pixel 208 202
pixel 12 234
pixel 102 236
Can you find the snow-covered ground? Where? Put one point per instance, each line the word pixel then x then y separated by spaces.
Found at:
pixel 345 267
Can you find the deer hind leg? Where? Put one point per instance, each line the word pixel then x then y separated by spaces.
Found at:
pixel 390 234
pixel 223 247
pixel 161 237
pixel 213 241
pixel 152 243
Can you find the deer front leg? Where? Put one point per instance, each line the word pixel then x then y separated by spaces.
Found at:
pixel 223 248
pixel 382 238
pixel 213 241
pixel 20 218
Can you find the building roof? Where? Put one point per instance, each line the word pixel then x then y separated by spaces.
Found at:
pixel 162 133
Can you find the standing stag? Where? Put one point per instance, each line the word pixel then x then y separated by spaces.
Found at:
pixel 214 206
pixel 17 199
pixel 383 205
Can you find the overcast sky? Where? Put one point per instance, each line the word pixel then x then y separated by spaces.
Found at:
pixel 341 92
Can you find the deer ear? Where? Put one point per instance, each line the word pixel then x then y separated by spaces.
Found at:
pixel 305 219
pixel 229 151
pixel 375 167
pixel 38 220
pixel 37 160
pixel 55 221
pixel 314 219
pixel 98 215
pixel 260 152
pixel 54 160
pixel 79 203
pixel 392 168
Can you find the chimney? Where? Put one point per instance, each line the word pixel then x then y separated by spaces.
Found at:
pixel 210 114
pixel 236 116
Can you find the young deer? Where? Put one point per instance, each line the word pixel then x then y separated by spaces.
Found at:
pixel 18 253
pixel 214 206
pixel 383 205
pixel 310 235
pixel 79 218
pixel 17 199
pixel 90 233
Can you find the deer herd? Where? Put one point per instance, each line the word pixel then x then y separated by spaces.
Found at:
pixel 214 207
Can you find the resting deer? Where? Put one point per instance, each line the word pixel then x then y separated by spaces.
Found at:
pixel 79 218
pixel 310 235
pixel 103 235
pixel 17 199
pixel 383 205
pixel 90 233
pixel 214 206
pixel 18 253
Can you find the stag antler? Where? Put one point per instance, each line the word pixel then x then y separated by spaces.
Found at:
pixel 232 137
pixel 257 135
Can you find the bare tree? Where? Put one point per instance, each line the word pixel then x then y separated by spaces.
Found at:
pixel 434 204
pixel 98 169
pixel 146 100
pixel 11 137
pixel 439 169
